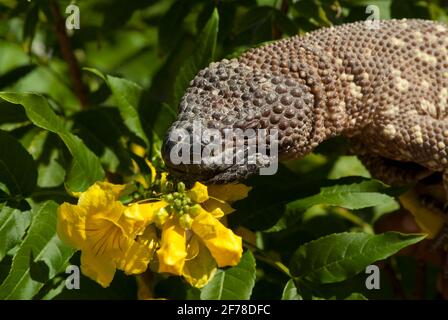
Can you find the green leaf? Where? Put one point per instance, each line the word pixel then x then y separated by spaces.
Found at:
pixel 86 163
pixel 13 224
pixel 253 18
pixel 12 76
pixel 203 54
pixel 29 29
pixel 266 203
pixel 346 166
pixel 168 36
pixel 234 283
pixel 356 296
pixel 51 174
pixel 290 291
pixel 18 171
pixel 41 247
pixel 336 257
pixel 362 193
pixel 353 196
pixel 127 96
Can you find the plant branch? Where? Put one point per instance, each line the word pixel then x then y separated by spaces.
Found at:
pixel 68 55
pixel 261 255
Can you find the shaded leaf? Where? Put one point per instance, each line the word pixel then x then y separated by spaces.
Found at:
pixel 127 96
pixel 29 29
pixel 167 35
pixel 12 76
pixel 18 171
pixel 85 162
pixel 203 54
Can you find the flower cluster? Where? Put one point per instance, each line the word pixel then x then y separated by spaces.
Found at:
pixel 181 232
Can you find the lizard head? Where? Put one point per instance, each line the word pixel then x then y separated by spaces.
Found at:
pixel 229 108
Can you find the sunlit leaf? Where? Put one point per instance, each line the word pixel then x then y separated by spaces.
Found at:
pixel 290 292
pixel 336 257
pixel 234 283
pixel 42 249
pixel 13 224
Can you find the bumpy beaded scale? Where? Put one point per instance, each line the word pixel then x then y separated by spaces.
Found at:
pixel 386 89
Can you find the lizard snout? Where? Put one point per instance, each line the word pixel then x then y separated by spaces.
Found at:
pixel 183 159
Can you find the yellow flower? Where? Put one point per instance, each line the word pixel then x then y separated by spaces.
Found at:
pixel 109 234
pixel 195 251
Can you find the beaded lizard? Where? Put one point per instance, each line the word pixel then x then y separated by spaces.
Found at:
pixel 386 89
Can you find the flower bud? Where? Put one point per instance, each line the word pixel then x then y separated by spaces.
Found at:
pixel 186 221
pixel 161 216
pixel 195 210
pixel 181 187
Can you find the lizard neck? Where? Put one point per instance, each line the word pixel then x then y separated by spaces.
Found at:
pixel 320 73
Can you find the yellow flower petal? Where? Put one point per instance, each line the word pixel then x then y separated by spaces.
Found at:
pixel 153 170
pixel 149 238
pixel 198 193
pixel 212 204
pixel 115 189
pixel 105 237
pixel 199 270
pixel 193 247
pixel 172 252
pixel 138 216
pixel 138 150
pixel 163 179
pixel 71 225
pixel 429 221
pixel 197 209
pixel 224 245
pixel 136 259
pixel 101 198
pixel 229 192
pixel 140 179
pixel 98 268
pixel 217 213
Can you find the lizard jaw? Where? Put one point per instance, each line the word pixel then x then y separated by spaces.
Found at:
pixel 213 170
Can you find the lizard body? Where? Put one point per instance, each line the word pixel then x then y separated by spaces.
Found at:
pixel 386 89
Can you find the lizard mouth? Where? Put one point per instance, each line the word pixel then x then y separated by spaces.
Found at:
pixel 213 170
